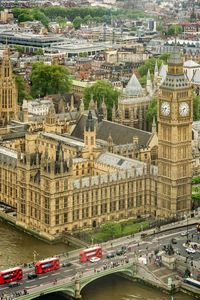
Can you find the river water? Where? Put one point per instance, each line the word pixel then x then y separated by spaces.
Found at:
pixel 17 248
pixel 117 288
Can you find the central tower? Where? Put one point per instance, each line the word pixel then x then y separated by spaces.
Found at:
pixel 8 91
pixel 175 112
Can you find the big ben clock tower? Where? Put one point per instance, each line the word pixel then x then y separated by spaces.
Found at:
pixel 175 111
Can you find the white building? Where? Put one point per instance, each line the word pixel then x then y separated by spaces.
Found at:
pixel 37 107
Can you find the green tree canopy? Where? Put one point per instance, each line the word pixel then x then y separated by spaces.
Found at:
pixel 24 14
pixel 61 21
pixel 77 22
pixel 48 80
pixel 174 29
pixel 196 108
pixel 19 49
pixel 20 83
pixel 100 90
pixel 151 112
pixel 149 65
pixel 111 229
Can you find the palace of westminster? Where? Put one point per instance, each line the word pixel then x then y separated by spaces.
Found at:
pixel 76 170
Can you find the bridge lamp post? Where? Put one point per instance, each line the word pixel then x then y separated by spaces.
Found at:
pixel 35 254
pixel 172 287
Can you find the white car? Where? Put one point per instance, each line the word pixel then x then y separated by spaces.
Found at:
pixel 94 259
pixel 190 250
pixel 184 233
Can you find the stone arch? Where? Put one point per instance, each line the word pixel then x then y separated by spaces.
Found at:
pixel 54 290
pixel 127 271
pixel 154 155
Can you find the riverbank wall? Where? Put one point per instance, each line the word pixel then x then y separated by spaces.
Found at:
pixel 145 277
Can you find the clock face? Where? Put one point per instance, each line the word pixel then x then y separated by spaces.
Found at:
pixel 165 108
pixel 184 109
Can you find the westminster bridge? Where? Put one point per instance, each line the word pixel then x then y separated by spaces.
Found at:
pixel 72 286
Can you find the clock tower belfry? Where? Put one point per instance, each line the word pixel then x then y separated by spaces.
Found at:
pixel 175 112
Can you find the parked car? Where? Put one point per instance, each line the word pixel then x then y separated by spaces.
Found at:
pixel 14 284
pixel 110 255
pixel 95 259
pixel 190 250
pixel 32 276
pixel 119 252
pixel 184 233
pixel 66 264
pixel 124 249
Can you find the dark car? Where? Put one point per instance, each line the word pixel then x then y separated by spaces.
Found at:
pixel 119 252
pixel 66 264
pixel 173 241
pixel 110 255
pixel 32 275
pixel 13 284
pixel 124 249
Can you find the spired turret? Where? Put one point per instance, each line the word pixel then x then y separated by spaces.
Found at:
pixel 57 166
pixel 90 133
pixel 8 91
pixel 89 122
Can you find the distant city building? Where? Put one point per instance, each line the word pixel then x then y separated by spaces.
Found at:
pixel 37 107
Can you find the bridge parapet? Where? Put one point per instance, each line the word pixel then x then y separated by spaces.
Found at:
pixel 73 287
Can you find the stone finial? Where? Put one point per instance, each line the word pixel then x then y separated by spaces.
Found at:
pixel 81 106
pixel 154 127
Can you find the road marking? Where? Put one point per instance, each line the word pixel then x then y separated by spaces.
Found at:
pixel 43 277
pixel 3 288
pixel 54 274
pixel 30 281
pixel 66 271
pixel 30 287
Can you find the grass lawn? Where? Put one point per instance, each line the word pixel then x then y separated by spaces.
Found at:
pixel 127 229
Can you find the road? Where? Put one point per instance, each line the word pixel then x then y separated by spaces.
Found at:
pixel 135 246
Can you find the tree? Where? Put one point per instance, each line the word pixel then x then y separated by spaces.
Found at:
pixel 19 49
pixel 39 51
pixel 100 90
pixel 61 21
pixel 196 108
pixel 77 22
pixel 19 80
pixel 151 112
pixel 149 65
pixel 40 16
pixel 48 80
pixel 111 229
pixel 174 29
pixel 83 54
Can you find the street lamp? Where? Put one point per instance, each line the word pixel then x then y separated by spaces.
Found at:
pixel 172 287
pixel 186 217
pixel 35 254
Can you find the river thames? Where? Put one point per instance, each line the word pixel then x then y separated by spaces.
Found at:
pixel 17 248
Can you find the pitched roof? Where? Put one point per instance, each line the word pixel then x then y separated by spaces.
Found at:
pixel 120 134
pixel 133 87
pixel 190 63
pixel 196 77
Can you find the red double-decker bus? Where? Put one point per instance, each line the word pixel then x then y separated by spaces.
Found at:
pixel 9 275
pixel 88 253
pixel 47 265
